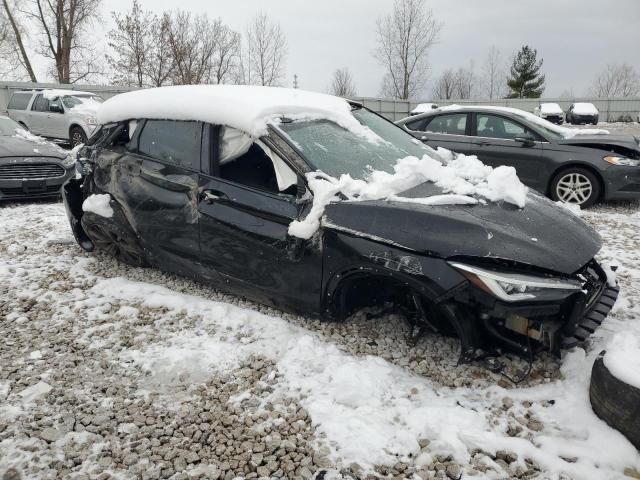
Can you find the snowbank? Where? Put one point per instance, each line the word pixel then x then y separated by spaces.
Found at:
pixel 462 176
pixel 98 204
pixel 244 107
pixel 623 358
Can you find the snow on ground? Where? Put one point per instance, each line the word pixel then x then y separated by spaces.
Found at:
pixel 108 369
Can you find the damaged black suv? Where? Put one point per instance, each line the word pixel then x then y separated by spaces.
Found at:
pixel 196 195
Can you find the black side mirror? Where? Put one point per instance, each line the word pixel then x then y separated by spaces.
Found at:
pixel 526 139
pixel 56 108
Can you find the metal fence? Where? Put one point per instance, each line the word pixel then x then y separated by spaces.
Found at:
pixel 611 109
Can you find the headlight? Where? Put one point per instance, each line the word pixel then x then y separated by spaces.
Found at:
pixel 92 120
pixel 513 287
pixel 69 161
pixel 613 160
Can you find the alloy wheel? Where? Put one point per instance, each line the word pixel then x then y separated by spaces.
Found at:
pixel 76 139
pixel 574 188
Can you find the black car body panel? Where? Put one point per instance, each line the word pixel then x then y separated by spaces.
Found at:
pixel 540 160
pixel 190 220
pixel 31 170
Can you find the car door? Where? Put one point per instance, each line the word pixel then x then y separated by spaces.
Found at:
pixel 449 130
pixel 245 212
pixel 157 184
pixel 38 115
pixel 55 122
pixel 495 144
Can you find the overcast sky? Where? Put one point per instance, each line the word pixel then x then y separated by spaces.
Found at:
pixel 576 38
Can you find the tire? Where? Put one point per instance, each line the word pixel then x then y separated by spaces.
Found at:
pixel 118 241
pixel 615 402
pixel 576 185
pixel 77 136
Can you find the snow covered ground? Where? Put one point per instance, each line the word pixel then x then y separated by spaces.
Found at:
pixel 108 371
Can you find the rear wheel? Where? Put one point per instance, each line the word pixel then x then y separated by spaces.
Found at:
pixel 118 241
pixel 77 136
pixel 576 185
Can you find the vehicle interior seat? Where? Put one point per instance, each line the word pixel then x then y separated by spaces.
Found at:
pixel 254 169
pixel 493 128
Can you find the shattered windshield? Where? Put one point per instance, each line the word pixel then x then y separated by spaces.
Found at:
pixel 335 150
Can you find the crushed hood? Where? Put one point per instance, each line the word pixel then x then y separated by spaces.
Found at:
pixel 541 234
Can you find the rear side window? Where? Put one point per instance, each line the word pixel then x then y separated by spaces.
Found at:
pixel 174 142
pixel 416 125
pixel 40 104
pixel 452 124
pixel 19 101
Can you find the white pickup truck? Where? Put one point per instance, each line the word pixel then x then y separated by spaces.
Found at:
pixel 68 115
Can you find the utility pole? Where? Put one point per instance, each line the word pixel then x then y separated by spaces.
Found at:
pixel 295 80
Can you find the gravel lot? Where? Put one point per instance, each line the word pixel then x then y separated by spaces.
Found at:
pixel 108 371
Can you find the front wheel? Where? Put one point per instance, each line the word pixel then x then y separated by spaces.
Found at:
pixel 576 185
pixel 77 136
pixel 117 240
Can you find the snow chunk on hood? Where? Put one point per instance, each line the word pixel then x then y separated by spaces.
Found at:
pixel 462 176
pixel 244 107
pixel 98 204
pixel 623 358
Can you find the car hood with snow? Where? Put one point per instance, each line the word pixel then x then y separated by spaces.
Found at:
pixel 542 234
pixel 23 147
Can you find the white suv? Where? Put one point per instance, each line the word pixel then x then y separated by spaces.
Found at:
pixel 63 114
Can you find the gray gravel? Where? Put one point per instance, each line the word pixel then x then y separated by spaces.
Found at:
pixel 95 424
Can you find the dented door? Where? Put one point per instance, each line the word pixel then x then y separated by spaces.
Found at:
pixel 243 236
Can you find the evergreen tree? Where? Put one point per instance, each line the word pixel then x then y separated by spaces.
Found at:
pixel 526 80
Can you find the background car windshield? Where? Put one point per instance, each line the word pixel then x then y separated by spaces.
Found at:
pixel 8 127
pixel 71 101
pixel 335 150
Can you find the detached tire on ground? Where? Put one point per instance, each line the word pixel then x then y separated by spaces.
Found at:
pixel 576 185
pixel 116 240
pixel 615 402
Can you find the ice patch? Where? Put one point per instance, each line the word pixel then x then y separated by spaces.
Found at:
pixel 34 392
pixel 98 204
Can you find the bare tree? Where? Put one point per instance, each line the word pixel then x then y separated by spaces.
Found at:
pixel 13 51
pixel 446 85
pixel 159 66
pixel 617 80
pixel 404 40
pixel 62 25
pixel 266 52
pixel 465 82
pixel 130 43
pixel 494 74
pixel 226 57
pixel 342 84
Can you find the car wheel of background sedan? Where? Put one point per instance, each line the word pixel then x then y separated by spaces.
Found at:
pixel 576 185
pixel 113 239
pixel 77 136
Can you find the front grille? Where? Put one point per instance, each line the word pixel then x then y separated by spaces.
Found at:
pixel 20 171
pixel 20 192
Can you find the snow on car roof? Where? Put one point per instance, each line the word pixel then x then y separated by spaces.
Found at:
pixel 52 93
pixel 550 108
pixel 244 107
pixel 424 107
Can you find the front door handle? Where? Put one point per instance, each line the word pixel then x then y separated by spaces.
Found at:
pixel 210 196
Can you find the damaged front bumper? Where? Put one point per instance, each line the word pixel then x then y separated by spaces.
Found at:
pixel 552 321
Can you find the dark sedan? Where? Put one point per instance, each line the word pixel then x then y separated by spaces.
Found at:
pixel 215 198
pixel 30 167
pixel 558 162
